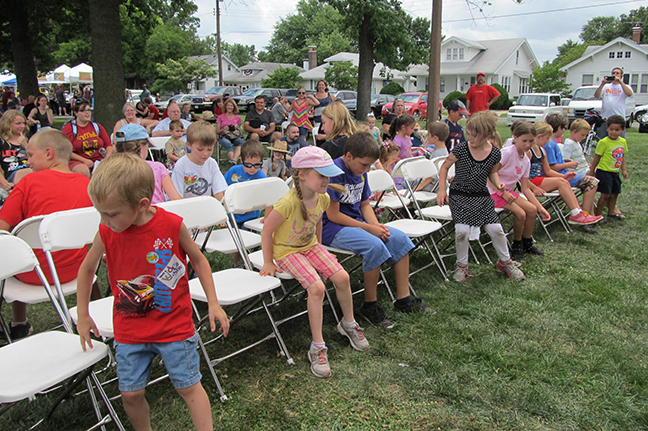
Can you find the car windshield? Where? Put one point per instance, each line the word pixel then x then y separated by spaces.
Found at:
pixel 584 94
pixel 216 90
pixel 532 100
pixel 409 98
pixel 374 98
pixel 253 91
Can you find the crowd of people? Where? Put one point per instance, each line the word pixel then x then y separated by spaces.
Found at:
pixel 329 205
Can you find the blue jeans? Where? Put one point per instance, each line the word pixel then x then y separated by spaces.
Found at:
pixel 229 145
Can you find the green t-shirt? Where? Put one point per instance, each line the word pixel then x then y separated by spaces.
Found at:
pixel 612 153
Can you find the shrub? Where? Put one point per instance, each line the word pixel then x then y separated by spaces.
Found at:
pixel 392 88
pixel 455 95
pixel 503 103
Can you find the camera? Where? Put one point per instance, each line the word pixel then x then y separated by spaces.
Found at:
pixel 609 78
pixel 232 127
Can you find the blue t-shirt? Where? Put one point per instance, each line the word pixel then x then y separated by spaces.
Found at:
pixel 554 157
pixel 456 135
pixel 357 191
pixel 236 174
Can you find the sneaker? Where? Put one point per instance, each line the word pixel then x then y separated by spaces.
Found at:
pixel 602 221
pixel 584 218
pixel 414 305
pixel 319 362
pixel 510 269
pixel 530 248
pixel 19 331
pixel 517 252
pixel 375 315
pixel 355 336
pixel 460 274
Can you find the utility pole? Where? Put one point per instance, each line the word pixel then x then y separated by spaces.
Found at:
pixel 434 68
pixel 218 41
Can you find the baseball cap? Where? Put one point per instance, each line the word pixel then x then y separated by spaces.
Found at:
pixel 133 132
pixel 316 158
pixel 482 74
pixel 458 105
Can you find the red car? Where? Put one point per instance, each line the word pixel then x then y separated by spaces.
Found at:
pixel 415 105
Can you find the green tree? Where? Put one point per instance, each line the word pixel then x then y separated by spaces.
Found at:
pixel 342 75
pixel 549 79
pixel 165 43
pixel 392 88
pixel 603 29
pixel 239 54
pixel 313 24
pixel 175 75
pixel 284 77
pixel 386 34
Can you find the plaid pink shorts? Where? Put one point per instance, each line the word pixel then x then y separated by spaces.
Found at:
pixel 305 265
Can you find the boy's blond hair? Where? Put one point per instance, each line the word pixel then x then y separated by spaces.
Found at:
pixel 127 176
pixel 439 129
pixel 201 132
pixel 56 140
pixel 580 125
pixel 543 129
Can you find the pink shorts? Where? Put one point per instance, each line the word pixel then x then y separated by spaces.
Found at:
pixel 305 265
pixel 500 202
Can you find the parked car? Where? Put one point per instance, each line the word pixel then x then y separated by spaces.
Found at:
pixel 197 102
pixel 377 102
pixel 534 107
pixel 345 95
pixel 639 111
pixel 583 99
pixel 291 94
pixel 415 105
pixel 643 122
pixel 223 92
pixel 246 100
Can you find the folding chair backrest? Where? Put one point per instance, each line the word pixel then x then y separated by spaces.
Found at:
pixel 396 170
pixel 290 182
pixel 197 213
pixel 241 198
pixel 418 168
pixel 380 180
pixel 27 230
pixel 159 141
pixel 438 161
pixel 16 256
pixel 66 230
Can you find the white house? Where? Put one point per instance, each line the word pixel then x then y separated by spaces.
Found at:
pixel 381 75
pixel 251 74
pixel 229 69
pixel 599 60
pixel 508 62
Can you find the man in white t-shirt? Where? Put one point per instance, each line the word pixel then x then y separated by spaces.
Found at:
pixel 614 95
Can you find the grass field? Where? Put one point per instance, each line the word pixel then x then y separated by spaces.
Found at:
pixel 564 350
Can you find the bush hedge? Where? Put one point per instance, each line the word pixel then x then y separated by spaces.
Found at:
pixel 392 88
pixel 455 95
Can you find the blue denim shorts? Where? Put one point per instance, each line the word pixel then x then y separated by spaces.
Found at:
pixel 180 358
pixel 373 250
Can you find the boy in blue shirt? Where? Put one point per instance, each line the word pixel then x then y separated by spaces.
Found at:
pixel 456 110
pixel 252 157
pixel 350 224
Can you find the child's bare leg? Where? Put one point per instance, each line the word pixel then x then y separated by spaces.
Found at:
pixel 19 310
pixel 602 203
pixel 371 284
pixel 314 307
pixel 236 257
pixel 588 201
pixel 198 405
pixel 137 409
pixel 564 189
pixel 343 292
pixel 612 204
pixel 401 273
pixel 520 219
pixel 531 213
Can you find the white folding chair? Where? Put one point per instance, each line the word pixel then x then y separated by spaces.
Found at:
pixel 157 149
pixel 45 360
pixel 410 192
pixel 234 286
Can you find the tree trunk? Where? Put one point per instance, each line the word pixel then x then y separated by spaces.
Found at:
pixel 108 73
pixel 365 67
pixel 21 48
pixel 434 69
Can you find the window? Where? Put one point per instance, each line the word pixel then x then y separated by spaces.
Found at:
pixel 506 83
pixel 634 80
pixel 449 54
pixel 517 57
pixel 620 54
pixel 443 81
pixel 524 85
pixel 628 54
pixel 611 55
pixel 455 52
pixel 461 53
pixel 588 79
pixel 644 84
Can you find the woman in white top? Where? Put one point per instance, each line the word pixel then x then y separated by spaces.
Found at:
pixel 130 116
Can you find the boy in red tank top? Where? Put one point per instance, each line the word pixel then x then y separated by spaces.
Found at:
pixel 146 253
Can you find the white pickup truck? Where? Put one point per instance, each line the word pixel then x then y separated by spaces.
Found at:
pixel 583 99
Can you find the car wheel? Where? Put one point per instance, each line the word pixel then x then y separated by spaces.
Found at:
pixel 417 115
pixel 629 122
pixel 638 115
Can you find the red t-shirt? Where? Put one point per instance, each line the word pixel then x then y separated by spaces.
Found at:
pixel 154 113
pixel 86 143
pixel 479 97
pixel 147 275
pixel 46 192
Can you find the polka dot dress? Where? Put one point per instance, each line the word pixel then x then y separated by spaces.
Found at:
pixel 470 201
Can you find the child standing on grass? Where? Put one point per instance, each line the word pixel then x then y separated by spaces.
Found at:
pixel 469 199
pixel 175 146
pixel 512 169
pixel 292 236
pixel 609 159
pixel 146 247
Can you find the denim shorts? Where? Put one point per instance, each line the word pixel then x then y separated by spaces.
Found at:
pixel 373 250
pixel 180 358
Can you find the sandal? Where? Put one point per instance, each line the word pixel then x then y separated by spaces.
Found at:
pixel 619 216
pixel 616 216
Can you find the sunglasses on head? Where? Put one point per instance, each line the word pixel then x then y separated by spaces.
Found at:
pixel 250 165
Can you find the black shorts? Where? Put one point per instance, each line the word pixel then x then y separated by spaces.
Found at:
pixel 609 182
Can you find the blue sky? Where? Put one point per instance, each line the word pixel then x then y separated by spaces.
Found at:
pixel 545 23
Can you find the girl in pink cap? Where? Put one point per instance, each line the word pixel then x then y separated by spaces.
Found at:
pixel 291 241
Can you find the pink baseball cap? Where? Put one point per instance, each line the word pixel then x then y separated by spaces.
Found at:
pixel 316 158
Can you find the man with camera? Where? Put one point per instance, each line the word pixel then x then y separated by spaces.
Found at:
pixel 613 92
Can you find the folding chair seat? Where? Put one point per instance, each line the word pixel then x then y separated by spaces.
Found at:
pixel 234 286
pixel 45 360
pixel 554 204
pixel 422 197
